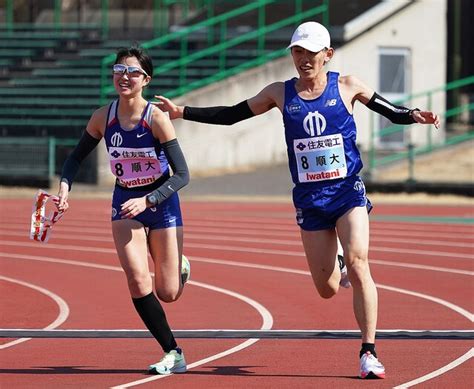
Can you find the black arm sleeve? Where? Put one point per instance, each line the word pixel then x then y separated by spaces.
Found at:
pixel 180 177
pixel 395 113
pixel 219 115
pixel 86 144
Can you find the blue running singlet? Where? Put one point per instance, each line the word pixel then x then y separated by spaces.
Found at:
pixel 140 166
pixel 322 154
pixel 136 157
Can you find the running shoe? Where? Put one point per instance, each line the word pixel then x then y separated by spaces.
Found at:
pixel 172 362
pixel 370 367
pixel 344 282
pixel 185 269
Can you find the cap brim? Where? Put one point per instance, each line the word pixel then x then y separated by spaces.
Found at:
pixel 306 45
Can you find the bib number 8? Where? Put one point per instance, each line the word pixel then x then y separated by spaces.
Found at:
pixel 118 169
pixel 304 162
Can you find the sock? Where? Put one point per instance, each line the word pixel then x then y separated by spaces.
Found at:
pixel 368 347
pixel 153 315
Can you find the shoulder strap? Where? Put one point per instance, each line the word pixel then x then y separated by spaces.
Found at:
pixel 112 112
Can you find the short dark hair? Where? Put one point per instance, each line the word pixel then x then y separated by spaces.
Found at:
pixel 140 54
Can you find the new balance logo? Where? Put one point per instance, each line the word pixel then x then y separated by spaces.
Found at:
pixel 330 103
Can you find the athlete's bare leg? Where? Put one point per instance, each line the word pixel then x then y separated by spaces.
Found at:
pixel 166 249
pixel 353 230
pixel 321 248
pixel 131 244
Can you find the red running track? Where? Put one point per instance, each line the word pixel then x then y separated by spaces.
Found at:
pixel 423 267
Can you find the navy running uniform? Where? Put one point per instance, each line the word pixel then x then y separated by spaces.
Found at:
pixel 322 155
pixel 140 166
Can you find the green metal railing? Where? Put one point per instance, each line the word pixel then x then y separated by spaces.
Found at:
pixel 159 9
pixel 39 155
pixel 411 151
pixel 218 45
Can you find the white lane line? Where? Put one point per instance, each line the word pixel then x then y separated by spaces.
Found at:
pixel 440 371
pixel 437 300
pixel 442 302
pixel 445 303
pixel 422 252
pixel 280 228
pixel 63 309
pixel 288 219
pixel 49 245
pixel 264 313
pixel 267 324
pixel 375 232
pixel 421 267
pixel 100 236
pixel 241 249
pixel 372 261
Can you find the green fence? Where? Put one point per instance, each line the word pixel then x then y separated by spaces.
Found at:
pixel 220 44
pixel 160 10
pixel 379 157
pixel 38 156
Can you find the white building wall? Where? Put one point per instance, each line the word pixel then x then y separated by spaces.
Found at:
pixel 259 141
pixel 421 28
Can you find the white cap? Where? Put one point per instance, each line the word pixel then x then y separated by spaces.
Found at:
pixel 311 36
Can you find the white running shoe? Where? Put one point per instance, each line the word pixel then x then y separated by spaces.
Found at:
pixel 172 362
pixel 370 367
pixel 344 282
pixel 185 269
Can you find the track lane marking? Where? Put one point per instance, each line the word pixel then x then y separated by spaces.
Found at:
pixel 296 241
pixel 249 342
pixel 267 319
pixel 437 300
pixel 450 366
pixel 60 319
pixel 243 249
pixel 278 228
pixel 266 325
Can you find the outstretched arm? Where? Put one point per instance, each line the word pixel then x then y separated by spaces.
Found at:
pixel 401 115
pixel 224 115
pixel 397 114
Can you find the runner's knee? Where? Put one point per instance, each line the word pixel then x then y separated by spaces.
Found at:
pixel 139 284
pixel 168 295
pixel 327 291
pixel 358 271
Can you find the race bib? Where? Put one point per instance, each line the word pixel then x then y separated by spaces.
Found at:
pixel 320 158
pixel 134 167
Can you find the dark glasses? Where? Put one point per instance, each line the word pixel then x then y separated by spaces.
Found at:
pixel 132 71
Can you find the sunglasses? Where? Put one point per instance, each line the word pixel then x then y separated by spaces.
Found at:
pixel 132 71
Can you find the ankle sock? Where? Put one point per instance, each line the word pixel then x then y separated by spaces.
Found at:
pixel 368 347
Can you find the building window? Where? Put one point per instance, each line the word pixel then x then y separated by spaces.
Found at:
pixel 394 84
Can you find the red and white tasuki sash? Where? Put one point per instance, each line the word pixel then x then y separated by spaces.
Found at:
pixel 40 224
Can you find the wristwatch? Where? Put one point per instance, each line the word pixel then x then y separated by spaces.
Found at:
pixel 151 198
